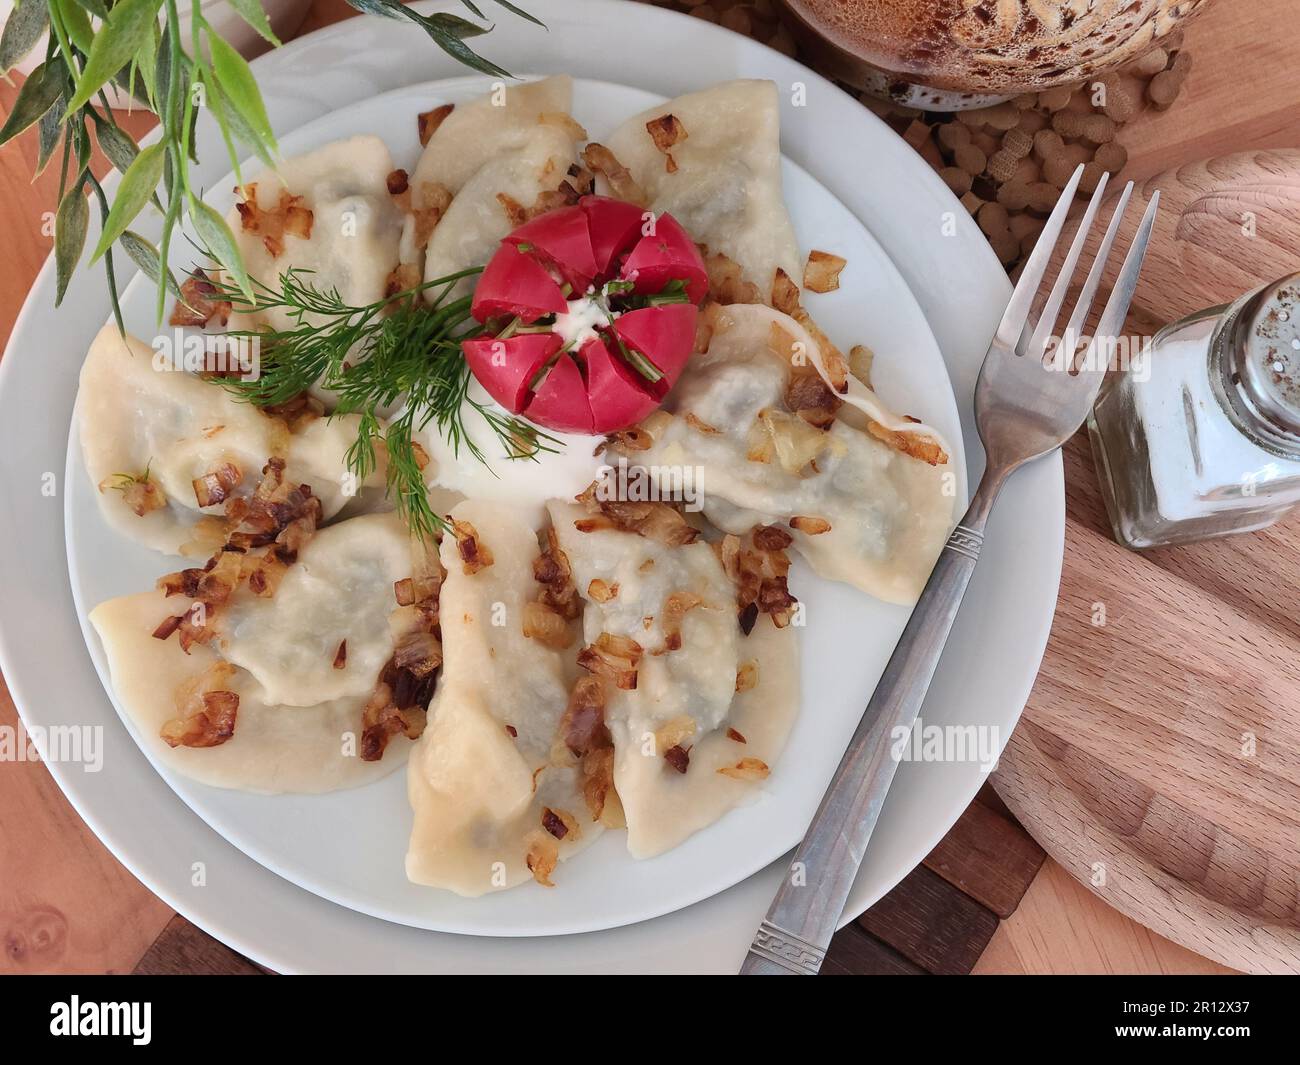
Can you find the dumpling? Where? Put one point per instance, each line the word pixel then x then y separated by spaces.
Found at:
pixel 888 513
pixel 318 456
pixel 484 772
pixel 498 124
pixel 500 149
pixel 477 219
pixel 728 764
pixel 725 184
pixel 173 425
pixel 178 427
pixel 685 696
pixel 339 589
pixel 354 233
pixel 274 748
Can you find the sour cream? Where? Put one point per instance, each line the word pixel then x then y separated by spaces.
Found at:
pixel 579 325
pixel 525 482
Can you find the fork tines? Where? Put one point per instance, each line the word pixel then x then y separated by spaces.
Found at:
pixel 1015 322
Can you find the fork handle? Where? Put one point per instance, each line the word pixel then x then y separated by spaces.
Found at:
pixel 797 930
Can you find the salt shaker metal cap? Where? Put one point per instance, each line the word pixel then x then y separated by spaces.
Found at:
pixel 1260 363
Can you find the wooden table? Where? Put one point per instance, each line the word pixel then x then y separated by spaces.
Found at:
pixel 984 901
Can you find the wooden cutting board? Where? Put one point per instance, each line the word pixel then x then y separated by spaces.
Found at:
pixel 1158 759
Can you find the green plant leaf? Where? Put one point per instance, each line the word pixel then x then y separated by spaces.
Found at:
pixel 117 145
pixel 219 242
pixel 382 8
pixel 39 93
pixel 76 23
pixel 164 242
pixel 95 7
pixel 163 67
pixel 233 125
pixel 84 148
pixel 521 13
pixel 130 83
pixel 119 148
pixel 454 25
pixel 119 38
pixel 453 44
pixel 224 116
pixel 69 237
pixel 146 65
pixel 48 131
pixel 138 183
pixel 240 88
pixel 192 140
pixel 442 23
pixel 145 255
pixel 447 31
pixel 251 12
pixel 23 29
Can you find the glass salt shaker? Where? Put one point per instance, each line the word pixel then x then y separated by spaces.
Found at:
pixel 1200 435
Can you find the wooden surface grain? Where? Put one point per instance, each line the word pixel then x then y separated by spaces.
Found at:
pixel 183 950
pixel 1062 928
pixel 67 905
pixel 989 858
pixel 1159 757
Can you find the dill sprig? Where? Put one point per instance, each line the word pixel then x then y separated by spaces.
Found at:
pixel 396 363
pixel 120 482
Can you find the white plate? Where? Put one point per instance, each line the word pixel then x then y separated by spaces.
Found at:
pixel 986 673
pixel 349 846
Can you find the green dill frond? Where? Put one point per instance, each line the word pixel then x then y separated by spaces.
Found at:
pixel 120 482
pixel 399 354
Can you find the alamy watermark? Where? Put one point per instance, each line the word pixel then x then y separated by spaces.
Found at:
pixel 947 743
pixel 1126 354
pixel 624 483
pixel 121 1019
pixel 71 744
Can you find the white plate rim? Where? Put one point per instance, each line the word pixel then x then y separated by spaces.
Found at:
pixel 956 320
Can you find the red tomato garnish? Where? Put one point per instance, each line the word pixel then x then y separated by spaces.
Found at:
pixel 615 226
pixel 506 368
pixel 646 289
pixel 560 401
pixel 514 284
pixel 563 240
pixel 664 335
pixel 668 254
pixel 617 392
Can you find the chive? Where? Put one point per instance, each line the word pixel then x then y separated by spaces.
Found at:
pixel 665 299
pixel 639 362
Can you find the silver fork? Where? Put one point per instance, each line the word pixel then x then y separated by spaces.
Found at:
pixel 1027 403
